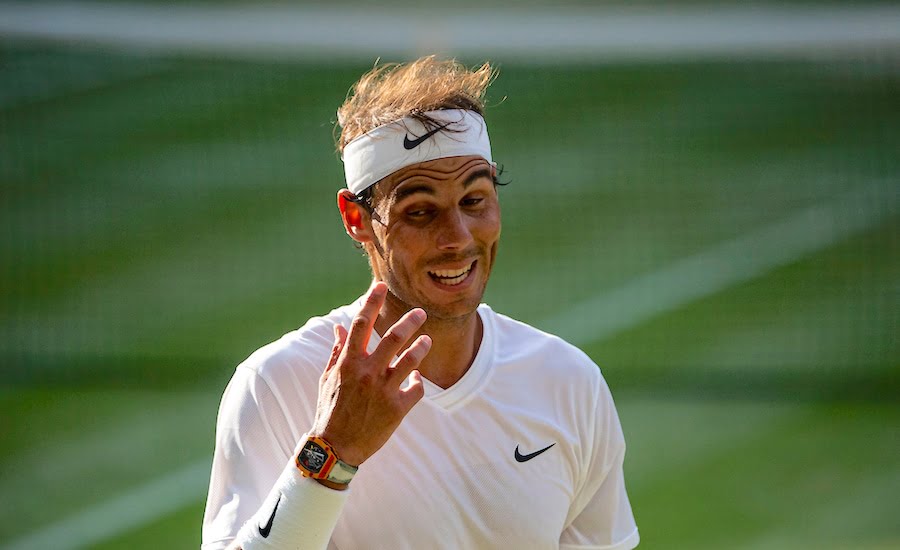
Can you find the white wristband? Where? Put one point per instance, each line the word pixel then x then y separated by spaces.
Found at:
pixel 298 513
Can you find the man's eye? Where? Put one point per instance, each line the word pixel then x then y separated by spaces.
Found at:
pixel 417 213
pixel 472 201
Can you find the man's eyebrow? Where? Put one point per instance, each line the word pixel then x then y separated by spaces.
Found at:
pixel 477 174
pixel 412 189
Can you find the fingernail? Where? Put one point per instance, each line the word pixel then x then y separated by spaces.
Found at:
pixel 418 315
pixel 426 340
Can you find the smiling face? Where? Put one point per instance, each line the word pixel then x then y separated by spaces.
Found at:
pixel 433 235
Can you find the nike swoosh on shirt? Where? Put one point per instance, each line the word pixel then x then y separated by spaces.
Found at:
pixel 264 530
pixel 525 458
pixel 409 144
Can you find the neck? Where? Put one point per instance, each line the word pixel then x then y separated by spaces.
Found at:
pixel 455 342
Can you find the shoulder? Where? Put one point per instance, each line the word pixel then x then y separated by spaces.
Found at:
pixel 302 352
pixel 274 390
pixel 522 344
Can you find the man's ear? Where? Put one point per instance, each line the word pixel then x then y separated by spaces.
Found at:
pixel 357 222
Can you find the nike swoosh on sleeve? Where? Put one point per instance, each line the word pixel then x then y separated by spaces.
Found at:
pixel 264 530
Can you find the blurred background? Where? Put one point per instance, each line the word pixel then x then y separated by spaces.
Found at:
pixel 704 197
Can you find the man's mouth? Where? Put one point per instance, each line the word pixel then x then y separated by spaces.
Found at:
pixel 451 277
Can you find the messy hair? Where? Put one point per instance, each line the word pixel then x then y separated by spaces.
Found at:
pixel 394 91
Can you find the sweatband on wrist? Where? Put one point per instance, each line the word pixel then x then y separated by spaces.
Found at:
pixel 305 516
pixel 388 148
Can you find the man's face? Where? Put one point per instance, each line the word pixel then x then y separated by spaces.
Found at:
pixel 435 231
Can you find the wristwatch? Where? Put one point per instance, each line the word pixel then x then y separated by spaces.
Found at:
pixel 319 461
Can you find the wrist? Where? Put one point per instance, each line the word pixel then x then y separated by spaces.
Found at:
pixel 346 452
pixel 333 485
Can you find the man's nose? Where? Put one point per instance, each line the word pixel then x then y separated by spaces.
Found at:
pixel 453 230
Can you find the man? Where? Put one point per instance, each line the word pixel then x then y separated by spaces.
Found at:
pixel 459 427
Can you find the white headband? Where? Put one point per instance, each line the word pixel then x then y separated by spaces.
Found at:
pixel 388 148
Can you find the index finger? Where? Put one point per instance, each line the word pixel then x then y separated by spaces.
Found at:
pixel 364 322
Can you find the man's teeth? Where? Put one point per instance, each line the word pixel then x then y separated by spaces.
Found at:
pixel 451 276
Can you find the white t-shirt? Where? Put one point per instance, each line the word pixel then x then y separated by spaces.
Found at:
pixel 449 477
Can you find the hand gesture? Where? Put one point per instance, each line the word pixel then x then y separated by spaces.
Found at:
pixel 360 400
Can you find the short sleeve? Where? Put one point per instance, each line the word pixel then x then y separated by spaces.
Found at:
pixel 603 519
pixel 253 443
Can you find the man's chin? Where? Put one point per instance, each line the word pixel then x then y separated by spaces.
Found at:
pixel 446 314
pixel 461 309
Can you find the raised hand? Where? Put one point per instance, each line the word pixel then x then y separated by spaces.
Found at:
pixel 360 400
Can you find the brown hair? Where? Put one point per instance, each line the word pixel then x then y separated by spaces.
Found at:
pixel 393 91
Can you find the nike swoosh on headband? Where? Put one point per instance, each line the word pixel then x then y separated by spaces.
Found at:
pixel 409 144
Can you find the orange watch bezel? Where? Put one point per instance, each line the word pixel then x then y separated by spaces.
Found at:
pixel 329 461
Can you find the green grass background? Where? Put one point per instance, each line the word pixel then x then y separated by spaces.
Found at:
pixel 162 217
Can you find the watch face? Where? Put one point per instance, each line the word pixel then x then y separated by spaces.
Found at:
pixel 312 457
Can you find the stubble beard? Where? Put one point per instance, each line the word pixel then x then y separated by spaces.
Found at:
pixel 402 300
pixel 452 313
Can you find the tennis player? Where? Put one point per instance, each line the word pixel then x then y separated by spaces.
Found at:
pixel 417 417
